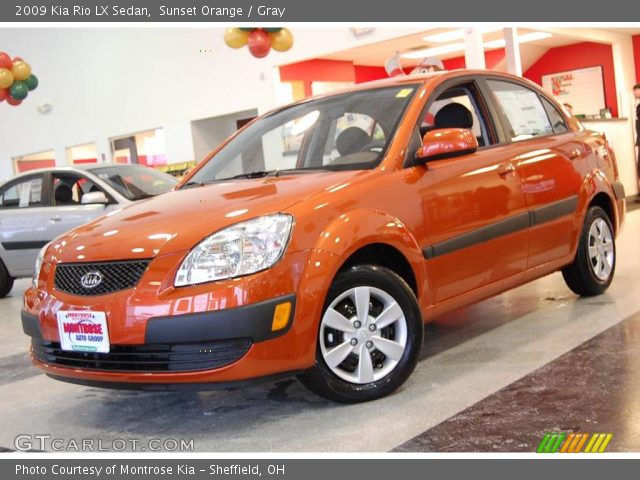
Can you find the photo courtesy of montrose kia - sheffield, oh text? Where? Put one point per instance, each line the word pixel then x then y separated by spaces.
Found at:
pixel 257 11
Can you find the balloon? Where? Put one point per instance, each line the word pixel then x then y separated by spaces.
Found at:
pixel 259 43
pixel 282 40
pixel 19 90
pixel 4 94
pixel 31 82
pixel 247 29
pixel 21 70
pixel 18 59
pixel 235 37
pixel 272 30
pixel 13 102
pixel 6 78
pixel 5 60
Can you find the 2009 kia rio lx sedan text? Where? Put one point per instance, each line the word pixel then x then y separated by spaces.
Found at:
pixel 318 239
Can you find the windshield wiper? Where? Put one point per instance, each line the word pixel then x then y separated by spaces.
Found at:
pixel 256 174
pixel 192 184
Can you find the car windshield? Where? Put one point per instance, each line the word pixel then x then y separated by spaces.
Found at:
pixel 348 131
pixel 136 182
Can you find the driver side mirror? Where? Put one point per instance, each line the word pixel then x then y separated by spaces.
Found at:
pixel 446 143
pixel 92 198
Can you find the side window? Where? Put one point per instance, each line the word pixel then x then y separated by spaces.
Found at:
pixel 456 108
pixel 558 122
pixel 353 138
pixel 522 108
pixel 69 189
pixel 27 193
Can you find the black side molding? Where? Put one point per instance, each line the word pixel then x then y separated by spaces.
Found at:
pixel 618 190
pixel 504 227
pixel 252 321
pixel 30 324
pixel 27 245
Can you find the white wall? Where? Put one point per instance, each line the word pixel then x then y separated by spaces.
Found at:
pixel 105 82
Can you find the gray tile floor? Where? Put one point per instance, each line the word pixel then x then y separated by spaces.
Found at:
pixel 468 356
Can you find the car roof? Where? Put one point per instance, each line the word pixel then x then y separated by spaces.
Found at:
pixel 74 168
pixel 416 79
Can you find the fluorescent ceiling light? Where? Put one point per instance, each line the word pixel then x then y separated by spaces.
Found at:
pixel 459 46
pixel 434 51
pixel 527 37
pixel 452 35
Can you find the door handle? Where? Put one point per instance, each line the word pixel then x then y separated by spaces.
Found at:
pixel 55 219
pixel 575 153
pixel 505 169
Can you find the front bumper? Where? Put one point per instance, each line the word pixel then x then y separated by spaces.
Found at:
pixel 153 314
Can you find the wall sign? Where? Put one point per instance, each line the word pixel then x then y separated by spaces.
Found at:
pixel 582 88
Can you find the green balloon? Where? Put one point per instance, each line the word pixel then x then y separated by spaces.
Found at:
pixel 19 90
pixel 247 29
pixel 31 82
pixel 272 30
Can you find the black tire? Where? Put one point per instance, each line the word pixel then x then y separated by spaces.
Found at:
pixel 580 276
pixel 321 380
pixel 6 282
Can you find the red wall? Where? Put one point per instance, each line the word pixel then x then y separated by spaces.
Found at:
pixel 579 55
pixel 317 70
pixel 636 55
pixel 26 165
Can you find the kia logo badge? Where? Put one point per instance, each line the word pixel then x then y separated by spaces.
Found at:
pixel 91 279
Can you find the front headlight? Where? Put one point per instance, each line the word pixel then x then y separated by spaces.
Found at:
pixel 38 267
pixel 240 249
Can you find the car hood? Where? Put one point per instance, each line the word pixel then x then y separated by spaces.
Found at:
pixel 178 220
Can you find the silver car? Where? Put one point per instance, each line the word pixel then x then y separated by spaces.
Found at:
pixel 37 206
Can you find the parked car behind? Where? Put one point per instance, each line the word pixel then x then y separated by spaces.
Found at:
pixel 37 206
pixel 322 258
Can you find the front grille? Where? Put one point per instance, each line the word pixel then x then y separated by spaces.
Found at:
pixel 115 276
pixel 146 358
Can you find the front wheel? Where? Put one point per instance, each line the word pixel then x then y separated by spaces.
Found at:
pixel 6 281
pixel 592 270
pixel 369 339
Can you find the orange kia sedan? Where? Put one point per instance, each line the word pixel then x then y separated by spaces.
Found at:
pixel 318 239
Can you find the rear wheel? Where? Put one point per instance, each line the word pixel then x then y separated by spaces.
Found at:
pixel 592 270
pixel 6 281
pixel 369 338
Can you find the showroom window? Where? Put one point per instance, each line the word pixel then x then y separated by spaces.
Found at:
pixel 81 154
pixel 558 122
pixel 27 193
pixel 523 109
pixel 144 148
pixel 33 161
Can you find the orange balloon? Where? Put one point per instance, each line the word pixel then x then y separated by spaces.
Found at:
pixel 6 78
pixel 21 70
pixel 282 40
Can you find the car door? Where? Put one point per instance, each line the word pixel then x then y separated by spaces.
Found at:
pixel 67 209
pixel 549 159
pixel 474 207
pixel 23 223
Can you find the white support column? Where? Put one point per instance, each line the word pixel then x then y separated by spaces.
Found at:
pixel 474 50
pixel 512 48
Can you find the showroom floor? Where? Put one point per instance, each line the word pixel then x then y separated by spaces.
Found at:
pixel 494 377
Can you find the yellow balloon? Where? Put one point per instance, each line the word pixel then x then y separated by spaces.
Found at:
pixel 6 78
pixel 21 70
pixel 282 40
pixel 236 37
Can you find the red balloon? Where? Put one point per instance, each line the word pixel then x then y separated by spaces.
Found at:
pixel 12 101
pixel 4 94
pixel 259 43
pixel 5 60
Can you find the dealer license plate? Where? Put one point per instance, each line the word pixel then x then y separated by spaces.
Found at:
pixel 83 331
